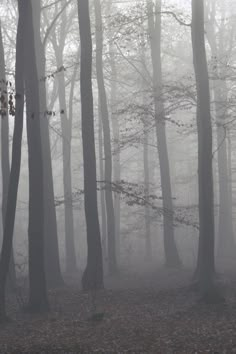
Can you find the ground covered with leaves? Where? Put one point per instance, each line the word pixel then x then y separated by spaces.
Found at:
pixel 156 312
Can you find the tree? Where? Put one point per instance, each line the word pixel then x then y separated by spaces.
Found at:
pixel 93 274
pixel 102 192
pixel 5 159
pixel 226 244
pixel 116 147
pixel 52 261
pixel 206 262
pixel 15 169
pixel 38 301
pixel 111 239
pixel 154 28
pixel 146 166
pixel 66 128
pixel 115 124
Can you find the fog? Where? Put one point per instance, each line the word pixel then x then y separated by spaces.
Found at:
pixel 117 187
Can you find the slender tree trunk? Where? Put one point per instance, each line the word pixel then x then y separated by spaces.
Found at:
pixel 38 301
pixel 229 154
pixel 15 169
pixel 67 178
pixel 93 275
pixel 5 159
pixel 112 262
pixel 115 128
pixel 226 243
pixel 154 23
pixel 116 154
pixel 52 260
pixel 66 127
pixel 102 193
pixel 206 261
pixel 70 119
pixel 148 246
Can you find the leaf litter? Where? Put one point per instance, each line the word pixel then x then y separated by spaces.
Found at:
pixel 148 313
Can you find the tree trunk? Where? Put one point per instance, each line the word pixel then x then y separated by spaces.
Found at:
pixel 38 301
pixel 226 243
pixel 148 246
pixel 93 275
pixel 70 118
pixel 116 147
pixel 15 169
pixel 52 260
pixel 171 252
pixel 67 178
pixel 66 127
pixel 229 154
pixel 5 158
pixel 206 262
pixel 111 240
pixel 102 193
pixel 146 163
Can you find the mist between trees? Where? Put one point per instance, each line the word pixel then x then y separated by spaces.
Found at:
pixel 117 147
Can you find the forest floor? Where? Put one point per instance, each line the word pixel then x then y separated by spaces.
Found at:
pixel 152 312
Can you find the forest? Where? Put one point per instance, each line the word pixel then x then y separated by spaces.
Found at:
pixel 117 177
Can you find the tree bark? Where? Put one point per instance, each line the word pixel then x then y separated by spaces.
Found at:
pixel 93 274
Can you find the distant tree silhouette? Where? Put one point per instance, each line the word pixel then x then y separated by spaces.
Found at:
pixel 154 28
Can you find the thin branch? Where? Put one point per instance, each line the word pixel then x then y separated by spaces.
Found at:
pixel 132 64
pixel 182 23
pixel 53 22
